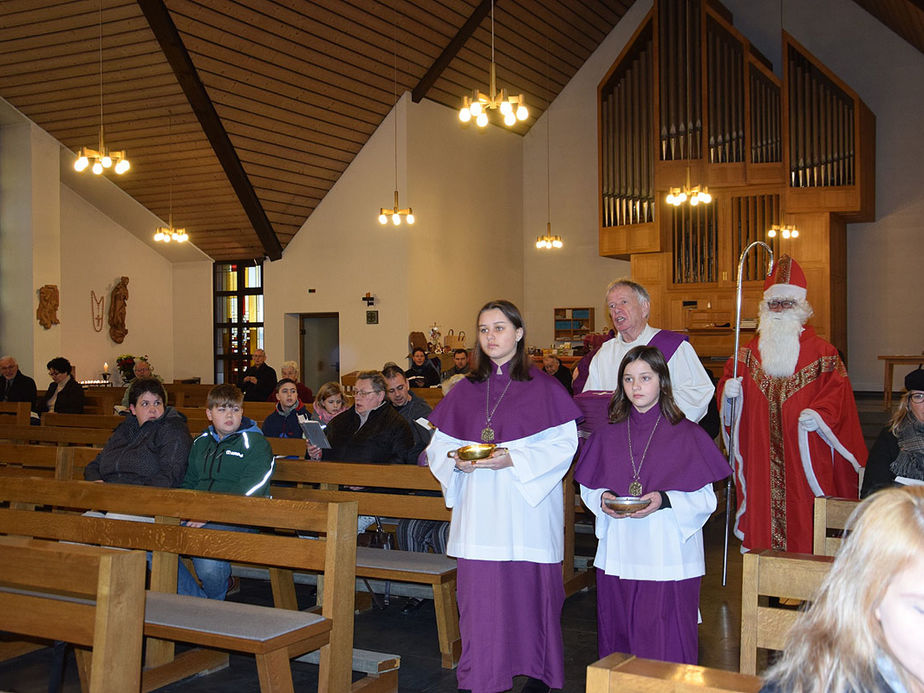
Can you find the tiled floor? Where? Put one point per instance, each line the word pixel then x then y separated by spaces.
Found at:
pixel 414 636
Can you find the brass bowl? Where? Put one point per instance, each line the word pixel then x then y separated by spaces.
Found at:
pixel 627 504
pixel 476 451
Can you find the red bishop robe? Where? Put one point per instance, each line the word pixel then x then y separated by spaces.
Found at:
pixel 780 469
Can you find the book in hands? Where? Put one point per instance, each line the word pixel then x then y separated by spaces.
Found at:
pixel 314 432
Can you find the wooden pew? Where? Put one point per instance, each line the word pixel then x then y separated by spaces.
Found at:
pixel 830 521
pixel 15 412
pixel 430 395
pixel 57 435
pixel 273 635
pixel 295 478
pixel 44 461
pixel 90 596
pixel 624 672
pixel 774 574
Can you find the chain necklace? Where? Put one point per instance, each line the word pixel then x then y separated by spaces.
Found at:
pixel 487 433
pixel 635 488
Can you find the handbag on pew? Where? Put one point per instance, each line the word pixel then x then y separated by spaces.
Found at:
pixel 454 341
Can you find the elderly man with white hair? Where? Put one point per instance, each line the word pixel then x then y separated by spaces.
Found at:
pixel 15 386
pixel 793 419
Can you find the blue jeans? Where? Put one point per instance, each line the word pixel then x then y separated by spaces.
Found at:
pixel 212 574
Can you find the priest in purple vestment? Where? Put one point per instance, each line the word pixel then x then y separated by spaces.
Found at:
pixel 649 562
pixel 507 526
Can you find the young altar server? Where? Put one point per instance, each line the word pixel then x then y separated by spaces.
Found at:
pixel 507 526
pixel 649 562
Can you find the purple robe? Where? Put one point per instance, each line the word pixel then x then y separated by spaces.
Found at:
pixel 509 611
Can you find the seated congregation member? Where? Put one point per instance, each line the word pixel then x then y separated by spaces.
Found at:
pixel 329 402
pixel 422 372
pixel 258 380
pixel 231 456
pixel 64 395
pixel 370 431
pixel 283 423
pixel 409 406
pixel 150 447
pixel 552 366
pixel 15 386
pixel 649 562
pixel 289 369
pixel 142 370
pixel 459 364
pixel 898 453
pixel 863 629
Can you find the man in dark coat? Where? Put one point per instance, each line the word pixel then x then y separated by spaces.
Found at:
pixel 259 380
pixel 15 386
pixel 410 407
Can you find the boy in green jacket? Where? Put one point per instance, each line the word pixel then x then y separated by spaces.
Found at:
pixel 231 456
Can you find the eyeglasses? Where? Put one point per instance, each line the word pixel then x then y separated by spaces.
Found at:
pixel 363 393
pixel 917 397
pixel 784 304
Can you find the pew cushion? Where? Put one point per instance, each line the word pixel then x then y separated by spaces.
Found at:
pixel 408 566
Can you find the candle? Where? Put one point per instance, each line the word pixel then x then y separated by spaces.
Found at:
pixel 105 367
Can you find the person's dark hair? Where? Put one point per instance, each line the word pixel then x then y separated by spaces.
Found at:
pixel 374 377
pixel 620 405
pixel 282 382
pixel 519 364
pixel 393 371
pixel 59 364
pixel 416 349
pixel 141 385
pixel 460 351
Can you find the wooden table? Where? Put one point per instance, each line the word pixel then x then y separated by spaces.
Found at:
pixel 890 363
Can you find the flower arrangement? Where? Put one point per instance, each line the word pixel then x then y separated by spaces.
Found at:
pixel 126 365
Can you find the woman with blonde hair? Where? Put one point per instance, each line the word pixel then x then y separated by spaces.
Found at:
pixel 331 401
pixel 898 453
pixel 289 369
pixel 864 630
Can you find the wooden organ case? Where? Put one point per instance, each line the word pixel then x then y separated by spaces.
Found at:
pixel 689 99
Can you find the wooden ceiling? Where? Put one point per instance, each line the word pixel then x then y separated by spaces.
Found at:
pixel 252 109
pixel 246 112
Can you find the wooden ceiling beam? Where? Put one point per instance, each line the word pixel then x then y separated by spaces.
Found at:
pixel 172 45
pixel 449 52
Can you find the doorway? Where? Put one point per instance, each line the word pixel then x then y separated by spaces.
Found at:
pixel 319 348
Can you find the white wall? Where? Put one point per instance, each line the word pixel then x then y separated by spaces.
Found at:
pixel 465 190
pixel 884 258
pixel 192 321
pixel 576 275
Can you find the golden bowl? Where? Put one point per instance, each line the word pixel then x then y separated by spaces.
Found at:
pixel 476 451
pixel 627 504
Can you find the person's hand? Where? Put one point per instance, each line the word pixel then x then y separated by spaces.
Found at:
pixel 466 466
pixel 314 452
pixel 250 379
pixel 499 459
pixel 808 420
pixel 650 508
pixel 193 523
pixel 732 388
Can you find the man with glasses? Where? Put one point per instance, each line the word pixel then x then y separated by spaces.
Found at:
pixel 792 420
pixel 370 431
pixel 64 394
pixel 15 386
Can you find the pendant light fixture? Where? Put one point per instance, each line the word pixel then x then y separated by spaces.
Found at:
pixel 548 241
pixel 512 108
pixel 395 213
pixel 100 159
pixel 166 234
pixel 694 194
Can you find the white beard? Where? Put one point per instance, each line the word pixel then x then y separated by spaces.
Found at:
pixel 779 338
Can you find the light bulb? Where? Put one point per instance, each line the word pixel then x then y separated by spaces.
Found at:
pixel 771 233
pixel 81 163
pixel 107 161
pixel 158 236
pixel 539 243
pixel 705 198
pixel 383 219
pixel 522 112
pixel 476 109
pixel 410 218
pixel 97 168
pixel 482 119
pixel 506 107
pixel 465 115
pixel 795 233
pixel 694 200
pixel 510 120
pixel 670 198
pixel 557 243
pixel 122 166
pixel 681 197
pixel 396 219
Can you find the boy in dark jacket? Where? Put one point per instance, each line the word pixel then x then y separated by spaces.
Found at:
pixel 283 423
pixel 231 456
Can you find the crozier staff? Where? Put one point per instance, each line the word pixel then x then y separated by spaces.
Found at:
pixel 507 526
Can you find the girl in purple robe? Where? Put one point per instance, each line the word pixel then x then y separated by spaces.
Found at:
pixel 649 562
pixel 507 526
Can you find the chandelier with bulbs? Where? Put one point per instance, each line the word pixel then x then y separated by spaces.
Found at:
pixel 548 241
pixel 101 159
pixel 694 194
pixel 395 214
pixel 512 108
pixel 784 230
